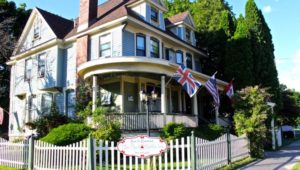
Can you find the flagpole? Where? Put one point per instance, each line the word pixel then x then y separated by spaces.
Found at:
pixel 4 110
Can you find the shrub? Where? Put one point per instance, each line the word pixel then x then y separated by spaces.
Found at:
pixel 67 134
pixel 46 123
pixel 173 131
pixel 209 132
pixel 106 129
pixel 250 117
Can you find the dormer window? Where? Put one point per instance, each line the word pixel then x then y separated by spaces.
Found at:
pixel 188 35
pixel 154 14
pixel 179 57
pixel 37 29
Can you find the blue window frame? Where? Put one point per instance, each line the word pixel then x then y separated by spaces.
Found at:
pixel 140 45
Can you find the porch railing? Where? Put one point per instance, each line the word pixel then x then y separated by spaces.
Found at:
pixel 138 121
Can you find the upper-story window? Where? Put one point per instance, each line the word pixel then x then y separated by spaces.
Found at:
pixel 179 57
pixel 105 46
pixel 170 54
pixel 188 35
pixel 189 62
pixel 41 65
pixel 154 14
pixel 37 29
pixel 197 64
pixel 154 48
pixel 140 45
pixel 28 68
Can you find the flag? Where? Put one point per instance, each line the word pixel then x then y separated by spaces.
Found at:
pixel 211 86
pixel 188 82
pixel 1 116
pixel 229 90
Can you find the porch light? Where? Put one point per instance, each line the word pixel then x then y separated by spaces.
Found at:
pixel 143 96
pixel 153 95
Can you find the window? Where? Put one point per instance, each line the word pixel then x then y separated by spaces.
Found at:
pixel 170 54
pixel 140 45
pixel 179 57
pixel 105 46
pixel 41 65
pixel 197 64
pixel 154 49
pixel 189 62
pixel 46 102
pixel 28 67
pixel 154 14
pixel 188 35
pixel 29 107
pixel 37 29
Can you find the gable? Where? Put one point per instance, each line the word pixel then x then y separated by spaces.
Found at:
pixel 189 21
pixel 36 32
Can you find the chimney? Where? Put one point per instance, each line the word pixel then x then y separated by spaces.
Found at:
pixel 87 13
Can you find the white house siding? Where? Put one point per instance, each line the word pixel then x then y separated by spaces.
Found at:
pixel 46 35
pixel 117 43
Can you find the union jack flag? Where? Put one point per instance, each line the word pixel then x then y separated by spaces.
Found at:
pixel 188 82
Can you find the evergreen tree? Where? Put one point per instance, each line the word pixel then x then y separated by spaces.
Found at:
pixel 265 72
pixel 177 6
pixel 238 60
pixel 215 25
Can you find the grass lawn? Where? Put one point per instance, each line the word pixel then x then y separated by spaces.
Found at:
pixel 9 168
pixel 297 166
pixel 238 164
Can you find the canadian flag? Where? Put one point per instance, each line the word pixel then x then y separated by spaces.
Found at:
pixel 229 90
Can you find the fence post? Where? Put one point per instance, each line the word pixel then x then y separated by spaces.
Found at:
pixel 228 146
pixel 91 153
pixel 193 151
pixel 31 151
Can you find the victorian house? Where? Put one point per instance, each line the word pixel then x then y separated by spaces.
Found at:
pixel 120 47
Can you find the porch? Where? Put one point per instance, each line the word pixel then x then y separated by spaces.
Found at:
pixel 138 121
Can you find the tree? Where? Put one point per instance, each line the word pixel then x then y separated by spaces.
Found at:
pixel 250 117
pixel 215 24
pixel 177 6
pixel 12 22
pixel 238 59
pixel 265 72
pixel 289 114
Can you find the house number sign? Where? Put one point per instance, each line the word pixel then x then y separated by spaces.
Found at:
pixel 142 146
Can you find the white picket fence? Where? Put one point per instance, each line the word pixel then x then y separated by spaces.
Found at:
pixel 48 156
pixel 103 155
pixel 14 154
pixel 214 154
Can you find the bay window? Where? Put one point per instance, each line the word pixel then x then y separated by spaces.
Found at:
pixel 154 48
pixel 105 46
pixel 140 45
pixel 154 14
pixel 189 62
pixel 179 57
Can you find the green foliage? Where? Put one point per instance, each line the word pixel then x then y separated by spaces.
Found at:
pixel 45 123
pixel 209 132
pixel 109 130
pixel 173 131
pixel 67 134
pixel 289 114
pixel 83 96
pixel 250 116
pixel 83 114
pixel 264 68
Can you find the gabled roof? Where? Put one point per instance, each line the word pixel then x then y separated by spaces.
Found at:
pixel 179 18
pixel 59 25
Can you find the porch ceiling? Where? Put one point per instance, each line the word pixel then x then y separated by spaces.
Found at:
pixel 136 65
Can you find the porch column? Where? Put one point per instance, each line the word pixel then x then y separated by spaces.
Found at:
pixel 95 89
pixel 195 107
pixel 163 97
pixel 122 93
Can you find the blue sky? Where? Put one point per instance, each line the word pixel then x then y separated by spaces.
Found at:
pixel 282 17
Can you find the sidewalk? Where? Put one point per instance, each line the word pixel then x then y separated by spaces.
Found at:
pixel 283 159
